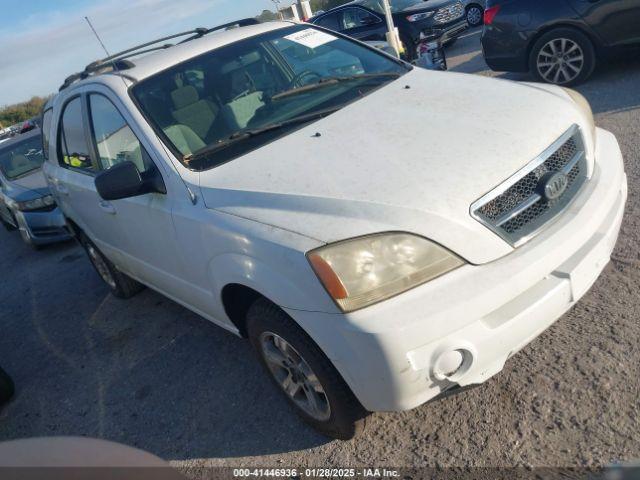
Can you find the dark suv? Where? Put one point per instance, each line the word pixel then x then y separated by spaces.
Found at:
pixel 415 19
pixel 558 41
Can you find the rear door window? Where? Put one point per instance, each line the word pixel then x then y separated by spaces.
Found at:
pixel 331 21
pixel 72 142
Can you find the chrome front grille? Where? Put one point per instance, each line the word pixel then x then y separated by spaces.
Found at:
pixel 449 14
pixel 521 206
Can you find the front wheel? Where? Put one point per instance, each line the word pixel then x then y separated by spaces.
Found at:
pixel 121 285
pixel 303 373
pixel 563 56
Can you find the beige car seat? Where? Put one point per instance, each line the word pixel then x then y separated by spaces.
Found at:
pixel 193 112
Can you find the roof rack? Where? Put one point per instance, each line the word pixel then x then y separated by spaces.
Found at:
pixel 119 62
pixel 245 22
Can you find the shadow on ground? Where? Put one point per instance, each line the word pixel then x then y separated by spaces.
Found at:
pixel 613 88
pixel 145 372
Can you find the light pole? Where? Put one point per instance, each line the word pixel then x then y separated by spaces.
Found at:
pixel 278 12
pixel 393 38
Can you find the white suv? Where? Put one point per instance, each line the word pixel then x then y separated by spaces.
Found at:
pixel 311 193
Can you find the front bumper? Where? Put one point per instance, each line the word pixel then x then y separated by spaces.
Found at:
pixel 388 352
pixel 43 228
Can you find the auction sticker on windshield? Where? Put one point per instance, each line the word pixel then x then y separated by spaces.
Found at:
pixel 311 38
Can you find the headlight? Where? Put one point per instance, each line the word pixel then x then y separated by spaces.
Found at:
pixel 585 107
pixel 36 204
pixel 363 271
pixel 419 16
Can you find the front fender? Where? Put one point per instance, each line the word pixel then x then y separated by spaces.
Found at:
pixel 291 284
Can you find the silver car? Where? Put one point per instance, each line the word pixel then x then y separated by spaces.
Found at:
pixel 26 203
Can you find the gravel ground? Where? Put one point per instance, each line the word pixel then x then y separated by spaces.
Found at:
pixel 150 374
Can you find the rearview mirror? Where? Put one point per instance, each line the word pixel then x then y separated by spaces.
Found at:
pixel 124 180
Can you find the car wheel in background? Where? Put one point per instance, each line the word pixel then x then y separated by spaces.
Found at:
pixel 563 56
pixel 121 285
pixel 7 388
pixel 475 14
pixel 303 373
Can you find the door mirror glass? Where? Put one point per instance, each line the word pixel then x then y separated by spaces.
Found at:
pixel 124 180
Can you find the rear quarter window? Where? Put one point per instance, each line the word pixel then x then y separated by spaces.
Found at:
pixel 331 21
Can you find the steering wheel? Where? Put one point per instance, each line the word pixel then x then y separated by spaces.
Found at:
pixel 297 79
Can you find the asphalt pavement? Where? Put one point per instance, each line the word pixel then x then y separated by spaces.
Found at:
pixel 150 374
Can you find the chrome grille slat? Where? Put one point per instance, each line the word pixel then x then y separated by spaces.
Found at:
pixel 448 14
pixel 517 210
pixel 521 208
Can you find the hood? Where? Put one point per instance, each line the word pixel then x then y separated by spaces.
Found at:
pixel 28 187
pixel 412 156
pixel 426 6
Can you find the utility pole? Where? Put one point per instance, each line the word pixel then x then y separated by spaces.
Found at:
pixel 393 37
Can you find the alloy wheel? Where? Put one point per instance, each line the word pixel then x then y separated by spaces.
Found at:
pixel 560 61
pixel 474 16
pixel 101 266
pixel 295 376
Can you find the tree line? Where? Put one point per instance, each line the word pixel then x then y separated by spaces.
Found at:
pixel 18 113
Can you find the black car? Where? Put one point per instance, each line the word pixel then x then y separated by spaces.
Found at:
pixel 415 20
pixel 559 41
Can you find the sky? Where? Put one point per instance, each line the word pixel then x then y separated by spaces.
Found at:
pixel 44 41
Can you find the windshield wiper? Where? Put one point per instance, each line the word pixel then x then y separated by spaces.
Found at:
pixel 243 135
pixel 328 81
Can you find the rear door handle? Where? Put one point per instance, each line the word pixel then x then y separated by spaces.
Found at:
pixel 62 190
pixel 108 208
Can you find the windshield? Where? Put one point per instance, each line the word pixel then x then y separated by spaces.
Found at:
pixel 263 85
pixel 396 5
pixel 21 158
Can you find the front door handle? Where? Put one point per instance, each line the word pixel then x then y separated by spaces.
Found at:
pixel 62 190
pixel 108 208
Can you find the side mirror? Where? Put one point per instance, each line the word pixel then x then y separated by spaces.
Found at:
pixel 124 180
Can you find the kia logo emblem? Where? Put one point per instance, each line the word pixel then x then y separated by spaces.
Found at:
pixel 553 185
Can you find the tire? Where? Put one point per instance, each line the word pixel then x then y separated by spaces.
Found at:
pixel 339 414
pixel 548 64
pixel 121 285
pixel 475 15
pixel 7 388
